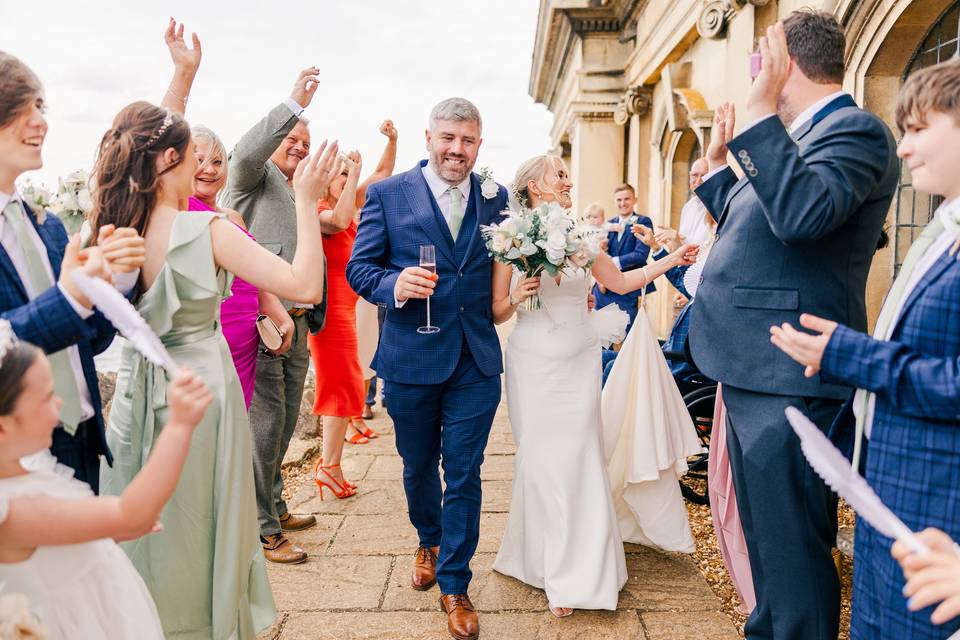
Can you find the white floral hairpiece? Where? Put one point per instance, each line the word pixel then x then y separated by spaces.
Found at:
pixel 7 338
pixel 167 121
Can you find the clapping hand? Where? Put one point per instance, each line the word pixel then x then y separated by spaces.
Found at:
pixel 686 255
pixel 724 120
pixel 305 87
pixel 803 347
pixel 388 130
pixel 354 162
pixel 932 577
pixel 123 249
pixel 645 235
pixel 774 72
pixel 184 58
pixel 671 238
pixel 315 173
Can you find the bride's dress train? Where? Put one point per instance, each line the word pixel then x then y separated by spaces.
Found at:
pixel 648 436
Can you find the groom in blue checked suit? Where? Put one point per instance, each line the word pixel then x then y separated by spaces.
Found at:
pixel 798 230
pixel 37 295
pixel 444 387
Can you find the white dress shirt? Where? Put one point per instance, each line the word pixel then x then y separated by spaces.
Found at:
pixel 9 242
pixel 440 189
pixel 693 221
pixel 939 246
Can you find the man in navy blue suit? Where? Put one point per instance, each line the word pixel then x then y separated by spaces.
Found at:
pixel 799 228
pixel 444 387
pixel 627 252
pixel 37 293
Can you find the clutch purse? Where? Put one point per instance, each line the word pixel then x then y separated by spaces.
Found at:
pixel 269 332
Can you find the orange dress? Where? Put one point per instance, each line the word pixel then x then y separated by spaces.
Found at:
pixel 334 349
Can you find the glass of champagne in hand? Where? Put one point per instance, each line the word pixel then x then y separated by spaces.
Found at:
pixel 428 261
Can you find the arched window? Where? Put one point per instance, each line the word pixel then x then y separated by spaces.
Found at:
pixel 914 209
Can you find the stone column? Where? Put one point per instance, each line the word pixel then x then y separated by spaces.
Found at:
pixel 596 145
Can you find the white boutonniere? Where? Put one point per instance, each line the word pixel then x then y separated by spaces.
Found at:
pixel 38 198
pixel 488 186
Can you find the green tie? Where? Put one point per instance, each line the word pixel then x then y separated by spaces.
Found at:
pixel 456 212
pixel 888 312
pixel 64 382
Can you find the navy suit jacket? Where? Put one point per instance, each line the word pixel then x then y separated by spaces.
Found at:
pixel 797 232
pixel 633 255
pixel 399 215
pixel 49 322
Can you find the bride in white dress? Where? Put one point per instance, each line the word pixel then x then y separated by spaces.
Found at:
pixel 562 532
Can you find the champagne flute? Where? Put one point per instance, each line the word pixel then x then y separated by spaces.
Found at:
pixel 428 261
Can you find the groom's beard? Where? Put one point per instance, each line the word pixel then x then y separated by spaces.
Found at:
pixel 452 172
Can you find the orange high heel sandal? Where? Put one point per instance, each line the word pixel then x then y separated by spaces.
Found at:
pixel 363 429
pixel 340 490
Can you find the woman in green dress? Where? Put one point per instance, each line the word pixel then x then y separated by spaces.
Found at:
pixel 205 568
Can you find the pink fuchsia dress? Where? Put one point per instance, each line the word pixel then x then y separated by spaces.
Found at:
pixel 238 320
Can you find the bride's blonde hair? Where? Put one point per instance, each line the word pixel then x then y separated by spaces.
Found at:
pixel 535 169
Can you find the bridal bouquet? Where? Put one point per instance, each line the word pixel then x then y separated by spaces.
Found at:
pixel 547 238
pixel 73 202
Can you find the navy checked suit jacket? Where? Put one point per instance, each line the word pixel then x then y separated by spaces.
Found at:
pixel 798 231
pixel 49 322
pixel 399 215
pixel 913 458
pixel 633 255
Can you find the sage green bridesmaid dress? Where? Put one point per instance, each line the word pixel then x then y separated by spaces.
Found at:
pixel 205 569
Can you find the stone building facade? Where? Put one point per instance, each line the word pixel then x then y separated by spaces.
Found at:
pixel 632 85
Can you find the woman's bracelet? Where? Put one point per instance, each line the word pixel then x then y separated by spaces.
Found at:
pixel 181 99
pixel 646 278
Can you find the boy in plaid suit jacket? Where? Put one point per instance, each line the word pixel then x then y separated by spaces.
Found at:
pixel 908 373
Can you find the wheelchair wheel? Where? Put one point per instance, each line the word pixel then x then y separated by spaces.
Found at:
pixel 700 404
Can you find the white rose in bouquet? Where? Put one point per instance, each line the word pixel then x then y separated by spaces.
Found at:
pixel 85 200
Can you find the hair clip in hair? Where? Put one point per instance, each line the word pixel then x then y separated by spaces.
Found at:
pixel 7 338
pixel 167 121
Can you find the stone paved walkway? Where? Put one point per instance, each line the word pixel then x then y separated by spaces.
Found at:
pixel 356 581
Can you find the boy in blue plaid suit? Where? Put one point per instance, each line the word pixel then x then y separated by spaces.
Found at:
pixel 37 293
pixel 907 374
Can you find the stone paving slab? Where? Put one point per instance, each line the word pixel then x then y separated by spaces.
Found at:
pixel 355 583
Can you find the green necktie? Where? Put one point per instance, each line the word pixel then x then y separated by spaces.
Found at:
pixel 456 211
pixel 889 310
pixel 64 382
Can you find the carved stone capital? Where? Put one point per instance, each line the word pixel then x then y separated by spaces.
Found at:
pixel 635 102
pixel 714 17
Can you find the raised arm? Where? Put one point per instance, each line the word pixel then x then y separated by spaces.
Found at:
pixel 34 521
pixel 607 273
pixel 302 279
pixel 337 219
pixel 387 162
pixel 186 62
pixel 249 158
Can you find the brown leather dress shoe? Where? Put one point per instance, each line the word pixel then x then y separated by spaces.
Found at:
pixel 276 548
pixel 290 522
pixel 424 568
pixel 462 622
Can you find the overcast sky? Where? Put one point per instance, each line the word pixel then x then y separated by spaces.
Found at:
pixel 378 59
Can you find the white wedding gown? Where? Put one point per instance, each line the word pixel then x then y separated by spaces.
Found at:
pixel 562 533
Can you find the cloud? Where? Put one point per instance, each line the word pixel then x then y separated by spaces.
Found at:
pixel 378 59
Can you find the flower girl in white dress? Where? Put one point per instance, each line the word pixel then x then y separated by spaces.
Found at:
pixel 56 538
pixel 562 532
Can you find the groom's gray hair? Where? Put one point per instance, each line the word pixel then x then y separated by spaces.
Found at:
pixel 456 110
